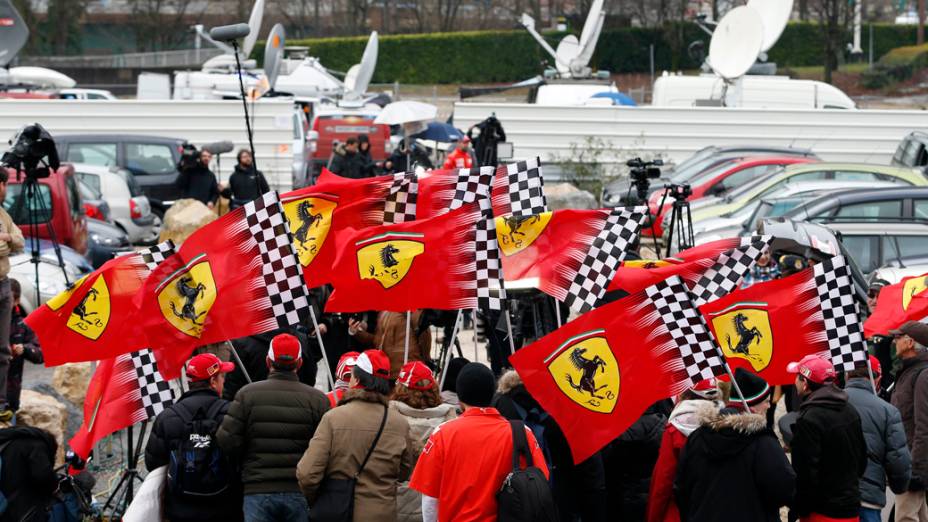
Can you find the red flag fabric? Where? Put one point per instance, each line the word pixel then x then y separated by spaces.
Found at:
pixel 440 191
pixel 898 303
pixel 764 327
pixel 124 390
pixel 597 374
pixel 430 263
pixel 234 277
pixel 96 317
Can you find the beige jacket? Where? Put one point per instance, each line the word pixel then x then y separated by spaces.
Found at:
pixel 390 336
pixel 15 244
pixel 339 445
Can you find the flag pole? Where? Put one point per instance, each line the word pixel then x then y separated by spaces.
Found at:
pixel 238 361
pixel 474 317
pixel 512 342
pixel 454 333
pixel 872 380
pixel 406 340
pixel 734 385
pixel 557 312
pixel 325 358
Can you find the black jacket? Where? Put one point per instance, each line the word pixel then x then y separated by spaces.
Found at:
pixel 268 428
pixel 910 397
pixel 253 351
pixel 166 433
pixel 243 186
pixel 630 461
pixel 28 479
pixel 732 468
pixel 829 454
pixel 417 156
pixel 348 164
pixel 20 333
pixel 198 183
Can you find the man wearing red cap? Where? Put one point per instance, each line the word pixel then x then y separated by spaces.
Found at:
pixel 910 396
pixel 460 157
pixel 828 448
pixel 195 418
pixel 268 427
pixel 885 436
pixel 342 375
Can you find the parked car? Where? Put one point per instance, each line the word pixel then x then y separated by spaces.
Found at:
pixel 874 243
pixel 863 205
pixel 704 159
pixel 896 269
pixel 51 279
pixel 85 94
pixel 59 205
pixel 105 242
pixel 912 151
pixel 130 209
pixel 152 159
pixel 94 206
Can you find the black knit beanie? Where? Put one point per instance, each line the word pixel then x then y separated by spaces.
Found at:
pixel 454 369
pixel 476 385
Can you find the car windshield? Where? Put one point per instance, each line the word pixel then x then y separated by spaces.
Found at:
pixel 712 173
pixel 750 186
pixel 88 192
pixel 134 189
pixel 35 211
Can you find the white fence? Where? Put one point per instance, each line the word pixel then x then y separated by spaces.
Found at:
pixel 674 133
pixel 199 122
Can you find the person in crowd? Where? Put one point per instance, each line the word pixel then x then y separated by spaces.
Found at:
pixel 449 390
pixel 829 453
pixel 454 484
pixel 369 167
pixel 732 467
pixel 346 161
pixel 342 376
pixel 910 397
pixel 578 490
pixel 363 424
pixel 682 422
pixel 416 398
pixel 267 428
pixel 253 351
pixel 765 269
pixel 24 346
pixel 885 437
pixel 28 480
pixel 390 336
pixel 404 158
pixel 11 241
pixel 173 428
pixel 246 182
pixel 881 345
pixel 198 182
pixel 460 157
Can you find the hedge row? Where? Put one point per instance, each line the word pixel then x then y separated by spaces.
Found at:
pixel 508 56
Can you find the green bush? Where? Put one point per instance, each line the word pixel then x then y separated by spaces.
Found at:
pixel 897 65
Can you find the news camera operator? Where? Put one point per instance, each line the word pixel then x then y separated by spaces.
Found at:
pixel 196 181
pixel 246 182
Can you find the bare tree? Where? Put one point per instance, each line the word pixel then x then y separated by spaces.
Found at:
pixel 832 16
pixel 447 14
pixel 150 18
pixel 62 26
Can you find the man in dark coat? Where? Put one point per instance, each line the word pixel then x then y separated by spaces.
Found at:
pixel 405 159
pixel 347 162
pixel 246 182
pixel 253 352
pixel 206 376
pixel 198 182
pixel 829 453
pixel 28 480
pixel 732 467
pixel 267 429
pixel 24 346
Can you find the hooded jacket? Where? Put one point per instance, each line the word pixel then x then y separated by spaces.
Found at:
pixel 910 397
pixel 28 480
pixel 343 439
pixel 888 455
pixel 829 455
pixel 348 164
pixel 732 468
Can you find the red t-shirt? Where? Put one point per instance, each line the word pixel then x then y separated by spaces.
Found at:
pixel 464 463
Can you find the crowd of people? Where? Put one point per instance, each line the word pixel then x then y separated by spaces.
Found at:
pixel 352 159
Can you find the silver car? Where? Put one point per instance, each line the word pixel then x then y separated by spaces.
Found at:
pixel 129 208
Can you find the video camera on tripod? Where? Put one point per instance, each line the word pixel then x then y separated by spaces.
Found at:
pixel 641 173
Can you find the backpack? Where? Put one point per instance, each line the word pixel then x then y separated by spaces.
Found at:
pixel 535 420
pixel 198 466
pixel 525 495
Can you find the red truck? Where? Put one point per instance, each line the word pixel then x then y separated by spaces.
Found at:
pixel 333 124
pixel 60 204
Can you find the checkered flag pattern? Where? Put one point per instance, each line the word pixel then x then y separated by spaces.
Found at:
pixel 400 206
pixel 156 392
pixel 842 324
pixel 604 256
pixel 672 301
pixel 154 256
pixel 471 184
pixel 490 289
pixel 283 276
pixel 526 188
pixel 728 271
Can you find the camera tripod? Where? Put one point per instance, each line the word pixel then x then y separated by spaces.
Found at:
pixel 34 205
pixel 681 218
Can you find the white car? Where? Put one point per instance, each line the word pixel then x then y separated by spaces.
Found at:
pixel 130 210
pixel 85 94
pixel 51 279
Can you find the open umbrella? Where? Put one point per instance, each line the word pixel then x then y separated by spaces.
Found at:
pixel 398 113
pixel 439 132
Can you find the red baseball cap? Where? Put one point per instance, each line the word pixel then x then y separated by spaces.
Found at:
pixel 813 368
pixel 374 362
pixel 416 375
pixel 707 389
pixel 345 364
pixel 875 366
pixel 203 366
pixel 285 348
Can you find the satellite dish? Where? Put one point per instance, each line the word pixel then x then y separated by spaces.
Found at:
pixel 736 42
pixel 573 55
pixel 274 54
pixel 13 32
pixel 567 49
pixel 254 23
pixel 359 76
pixel 592 20
pixel 774 14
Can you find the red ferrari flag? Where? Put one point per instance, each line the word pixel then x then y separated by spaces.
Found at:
pixel 519 189
pixel 768 325
pixel 598 373
pixel 432 263
pixel 444 190
pixel 123 391
pixel 97 318
pixel 898 303
pixel 234 277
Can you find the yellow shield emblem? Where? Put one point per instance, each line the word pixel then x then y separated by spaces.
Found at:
pixel 913 287
pixel 388 257
pixel 92 313
pixel 187 295
pixel 743 331
pixel 586 371
pixel 515 234
pixel 310 220
pixel 55 303
pixel 646 263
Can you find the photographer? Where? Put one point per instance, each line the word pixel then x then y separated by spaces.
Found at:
pixel 196 181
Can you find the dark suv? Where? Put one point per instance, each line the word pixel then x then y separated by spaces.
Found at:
pixel 152 159
pixel 912 151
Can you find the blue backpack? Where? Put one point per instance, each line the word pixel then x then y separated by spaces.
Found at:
pixel 198 466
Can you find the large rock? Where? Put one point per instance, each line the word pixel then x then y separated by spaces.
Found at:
pixel 565 195
pixel 45 412
pixel 71 381
pixel 183 218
